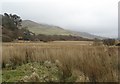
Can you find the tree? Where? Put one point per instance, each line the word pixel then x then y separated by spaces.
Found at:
pixel 10 26
pixel 16 19
pixel 11 22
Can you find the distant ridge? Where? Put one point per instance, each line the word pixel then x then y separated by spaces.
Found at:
pixel 46 29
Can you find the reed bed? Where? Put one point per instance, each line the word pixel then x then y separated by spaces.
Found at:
pixel 98 63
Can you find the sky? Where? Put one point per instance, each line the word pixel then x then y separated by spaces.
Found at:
pixel 98 17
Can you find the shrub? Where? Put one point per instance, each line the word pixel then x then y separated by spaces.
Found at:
pixel 97 42
pixel 109 42
pixel 118 44
pixel 6 39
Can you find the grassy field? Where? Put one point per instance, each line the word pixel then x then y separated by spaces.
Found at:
pixel 70 61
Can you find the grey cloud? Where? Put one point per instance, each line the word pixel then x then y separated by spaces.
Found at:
pixel 93 16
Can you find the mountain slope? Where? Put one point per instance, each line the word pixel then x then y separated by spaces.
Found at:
pixel 54 30
pixel 44 28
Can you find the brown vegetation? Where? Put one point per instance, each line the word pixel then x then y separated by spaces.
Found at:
pixel 96 63
pixel 109 42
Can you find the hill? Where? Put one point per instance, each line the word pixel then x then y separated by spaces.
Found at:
pixel 46 29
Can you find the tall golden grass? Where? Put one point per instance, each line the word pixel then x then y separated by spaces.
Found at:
pixel 98 63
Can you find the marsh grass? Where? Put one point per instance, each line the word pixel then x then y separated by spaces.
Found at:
pixel 98 63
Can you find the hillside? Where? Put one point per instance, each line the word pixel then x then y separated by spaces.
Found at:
pixel 54 30
pixel 35 31
pixel 44 28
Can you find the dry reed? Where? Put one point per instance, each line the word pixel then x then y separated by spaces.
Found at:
pixel 98 63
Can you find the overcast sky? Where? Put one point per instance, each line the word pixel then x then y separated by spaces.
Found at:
pixel 98 17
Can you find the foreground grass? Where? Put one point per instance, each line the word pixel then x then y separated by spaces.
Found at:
pixel 35 72
pixel 75 62
pixel 0 76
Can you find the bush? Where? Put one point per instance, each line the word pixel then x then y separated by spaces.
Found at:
pixel 97 42
pixel 109 42
pixel 118 44
pixel 6 39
